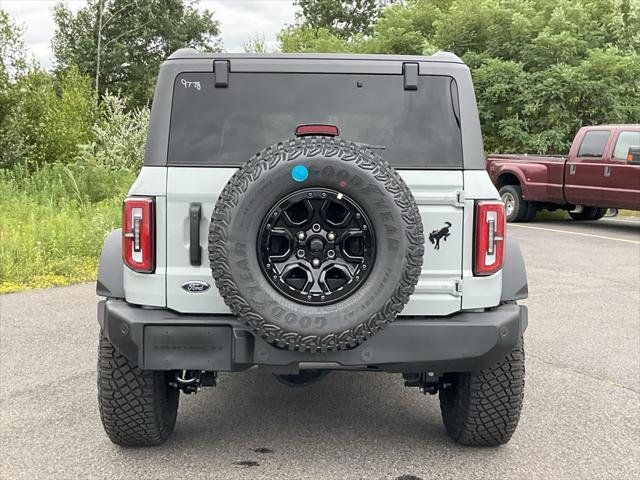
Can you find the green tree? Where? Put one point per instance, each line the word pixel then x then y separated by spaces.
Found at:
pixel 342 18
pixel 256 44
pixel 542 68
pixel 49 116
pixel 121 43
pixel 13 61
pixel 13 57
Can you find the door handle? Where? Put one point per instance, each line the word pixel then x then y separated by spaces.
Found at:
pixel 195 251
pixel 572 169
pixel 607 171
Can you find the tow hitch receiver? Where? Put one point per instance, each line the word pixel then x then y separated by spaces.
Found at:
pixel 428 382
pixel 191 381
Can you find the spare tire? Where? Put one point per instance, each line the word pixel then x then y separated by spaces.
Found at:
pixel 316 244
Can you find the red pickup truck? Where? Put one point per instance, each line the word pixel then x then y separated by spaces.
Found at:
pixel 601 171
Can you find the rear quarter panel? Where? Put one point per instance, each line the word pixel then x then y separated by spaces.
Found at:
pixel 477 292
pixel 541 178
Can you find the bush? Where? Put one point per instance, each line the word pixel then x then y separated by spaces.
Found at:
pixel 49 117
pixel 54 215
pixel 118 137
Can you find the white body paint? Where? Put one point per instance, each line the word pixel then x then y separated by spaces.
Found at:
pixel 446 285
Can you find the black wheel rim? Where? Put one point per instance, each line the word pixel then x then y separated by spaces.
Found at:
pixel 316 246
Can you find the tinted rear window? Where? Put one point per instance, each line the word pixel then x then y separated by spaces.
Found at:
pixel 593 143
pixel 226 126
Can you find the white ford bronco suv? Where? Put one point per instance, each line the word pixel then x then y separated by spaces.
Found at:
pixel 307 213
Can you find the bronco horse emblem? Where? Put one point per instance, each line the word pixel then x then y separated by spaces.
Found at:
pixel 436 235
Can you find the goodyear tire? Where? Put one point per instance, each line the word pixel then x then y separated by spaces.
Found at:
pixel 351 172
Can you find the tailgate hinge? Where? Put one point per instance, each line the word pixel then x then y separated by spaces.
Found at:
pixel 221 71
pixel 460 198
pixel 410 71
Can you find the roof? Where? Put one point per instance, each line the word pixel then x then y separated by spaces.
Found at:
pixel 612 125
pixel 193 54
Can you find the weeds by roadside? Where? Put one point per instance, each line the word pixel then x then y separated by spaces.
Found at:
pixel 54 216
pixel 53 223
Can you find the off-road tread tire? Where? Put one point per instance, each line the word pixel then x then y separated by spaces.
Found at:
pixel 137 407
pixel 483 408
pixel 288 151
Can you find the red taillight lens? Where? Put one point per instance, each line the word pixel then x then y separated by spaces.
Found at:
pixel 137 234
pixel 489 237
pixel 317 129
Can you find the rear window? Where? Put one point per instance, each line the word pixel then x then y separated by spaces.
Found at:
pixel 593 143
pixel 226 126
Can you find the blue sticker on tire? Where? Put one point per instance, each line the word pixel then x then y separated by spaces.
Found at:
pixel 299 173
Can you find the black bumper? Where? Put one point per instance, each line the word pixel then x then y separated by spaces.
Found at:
pixel 165 340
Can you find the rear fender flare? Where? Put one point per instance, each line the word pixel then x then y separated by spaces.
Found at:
pixel 111 271
pixel 514 274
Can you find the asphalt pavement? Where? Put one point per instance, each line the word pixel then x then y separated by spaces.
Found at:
pixel 581 417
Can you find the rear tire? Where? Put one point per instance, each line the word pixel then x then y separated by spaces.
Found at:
pixel 138 408
pixel 483 408
pixel 516 208
pixel 601 213
pixel 531 212
pixel 588 214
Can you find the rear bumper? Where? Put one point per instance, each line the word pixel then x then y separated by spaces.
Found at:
pixel 157 339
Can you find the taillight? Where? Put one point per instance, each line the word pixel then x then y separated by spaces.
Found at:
pixel 138 234
pixel 489 237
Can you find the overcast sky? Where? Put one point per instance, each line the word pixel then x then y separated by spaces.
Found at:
pixel 240 21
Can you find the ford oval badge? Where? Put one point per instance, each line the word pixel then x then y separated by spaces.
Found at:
pixel 196 286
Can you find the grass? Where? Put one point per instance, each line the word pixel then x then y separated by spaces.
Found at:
pixel 53 223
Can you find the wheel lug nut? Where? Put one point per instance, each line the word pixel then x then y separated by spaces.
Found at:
pixel 300 253
pixel 358 215
pixel 301 235
pixel 331 254
pixel 315 262
pixel 316 227
pixel 324 194
pixel 268 265
pixel 331 236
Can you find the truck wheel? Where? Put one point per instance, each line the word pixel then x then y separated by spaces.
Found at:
pixel 316 244
pixel 588 213
pixel 516 208
pixel 138 408
pixel 483 408
pixel 532 211
pixel 601 213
